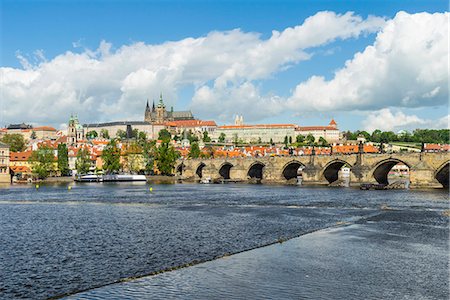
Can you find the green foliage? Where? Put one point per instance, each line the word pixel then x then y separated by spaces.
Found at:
pixel 15 141
pixel 121 134
pixel 191 137
pixel 286 141
pixel 149 152
pixel 83 162
pixel 166 157
pixel 104 134
pixel 33 135
pixel 63 160
pixel 300 138
pixel 222 137
pixel 310 139
pixel 434 136
pixel 164 135
pixel 142 136
pixel 206 138
pixel 92 134
pixel 235 139
pixel 42 162
pixel 111 157
pixel 194 152
pixel 259 140
pixel 323 142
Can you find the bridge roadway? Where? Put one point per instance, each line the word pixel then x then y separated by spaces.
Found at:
pixel 426 169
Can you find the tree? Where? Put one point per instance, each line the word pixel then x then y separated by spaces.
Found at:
pixel 194 152
pixel 259 140
pixel 310 139
pixel 376 136
pixel 290 140
pixel 111 157
pixel 166 157
pixel 206 138
pixel 135 133
pixel 149 152
pixel 271 141
pixel 33 135
pixel 63 160
pixel 286 141
pixel 83 162
pixel 191 137
pixel 300 138
pixel 222 137
pixel 104 134
pixel 42 162
pixel 164 135
pixel 142 136
pixel 323 142
pixel 92 134
pixel 235 138
pixel 121 134
pixel 15 141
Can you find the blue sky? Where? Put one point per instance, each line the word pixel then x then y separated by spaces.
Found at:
pixel 55 27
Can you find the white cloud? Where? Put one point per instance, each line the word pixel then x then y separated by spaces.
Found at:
pixel 407 66
pixel 386 120
pixel 106 84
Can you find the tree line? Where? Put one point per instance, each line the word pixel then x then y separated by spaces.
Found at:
pixel 429 136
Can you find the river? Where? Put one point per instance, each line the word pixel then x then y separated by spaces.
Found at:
pixel 57 241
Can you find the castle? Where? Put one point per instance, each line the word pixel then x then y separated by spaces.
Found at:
pixel 155 119
pixel 159 114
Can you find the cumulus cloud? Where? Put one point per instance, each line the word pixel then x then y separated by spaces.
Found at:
pixel 386 120
pixel 407 66
pixel 106 84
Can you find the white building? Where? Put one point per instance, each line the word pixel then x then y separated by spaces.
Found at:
pixel 330 132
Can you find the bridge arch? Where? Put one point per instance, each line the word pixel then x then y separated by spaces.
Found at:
pixel 199 169
pixel 382 168
pixel 180 168
pixel 292 169
pixel 442 174
pixel 331 170
pixel 255 171
pixel 224 170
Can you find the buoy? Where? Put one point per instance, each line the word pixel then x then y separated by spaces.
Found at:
pixel 37 186
pixel 151 189
pixel 69 188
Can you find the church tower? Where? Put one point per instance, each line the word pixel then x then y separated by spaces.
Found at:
pixel 148 113
pixel 160 111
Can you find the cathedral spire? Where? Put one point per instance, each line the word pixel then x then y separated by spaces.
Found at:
pixel 153 106
pixel 147 107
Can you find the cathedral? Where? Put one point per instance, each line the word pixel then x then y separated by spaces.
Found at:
pixel 159 114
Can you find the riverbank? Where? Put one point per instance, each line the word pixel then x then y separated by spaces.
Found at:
pixel 386 256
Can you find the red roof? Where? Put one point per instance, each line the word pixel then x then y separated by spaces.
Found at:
pixel 309 128
pixel 20 169
pixel 44 128
pixel 257 126
pixel 190 123
pixel 333 122
pixel 20 156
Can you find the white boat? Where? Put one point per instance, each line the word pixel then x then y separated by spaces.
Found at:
pixel 89 178
pixel 110 178
pixel 123 177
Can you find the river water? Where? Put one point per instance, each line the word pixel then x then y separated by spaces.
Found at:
pixel 353 244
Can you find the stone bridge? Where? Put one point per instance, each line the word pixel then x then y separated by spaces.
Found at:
pixel 426 169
